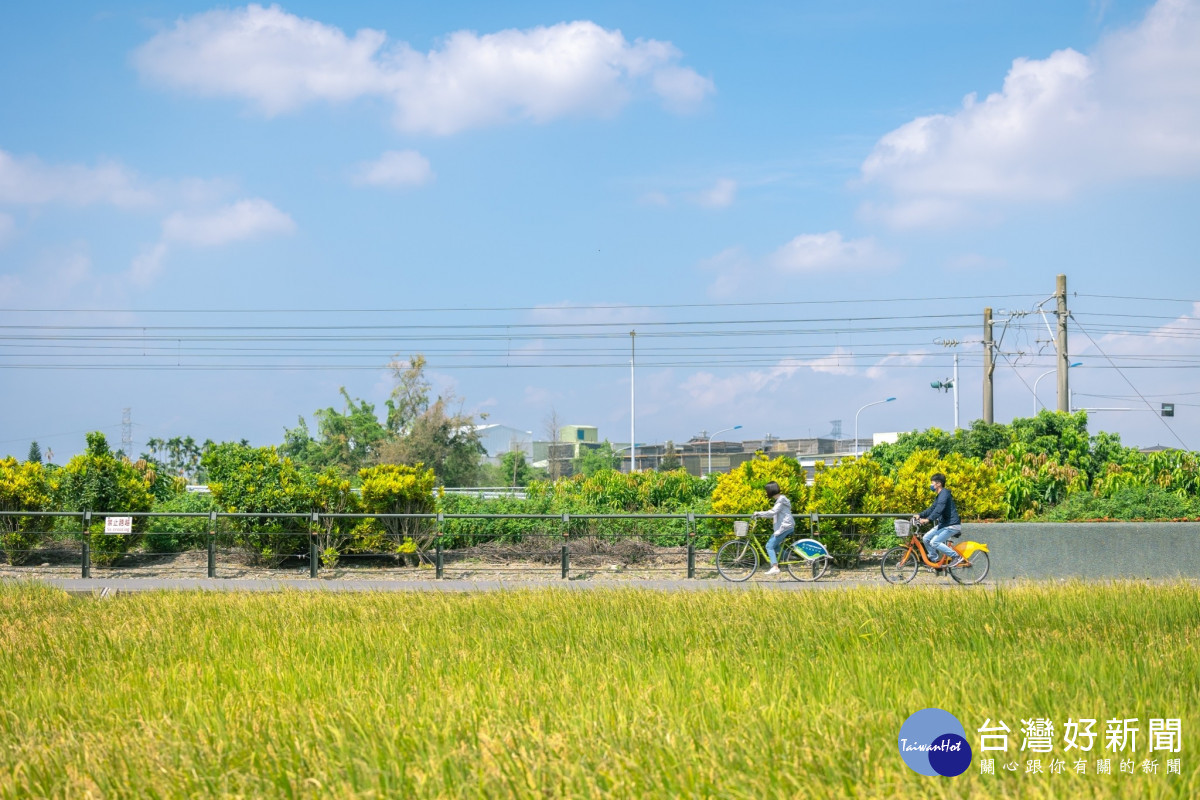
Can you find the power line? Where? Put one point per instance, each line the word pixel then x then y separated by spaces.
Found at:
pixel 1131 385
pixel 469 309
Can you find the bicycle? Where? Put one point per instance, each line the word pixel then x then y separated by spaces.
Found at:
pixel 738 559
pixel 900 564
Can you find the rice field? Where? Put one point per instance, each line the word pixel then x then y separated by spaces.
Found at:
pixel 621 693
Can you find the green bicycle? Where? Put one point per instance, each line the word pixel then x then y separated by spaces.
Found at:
pixel 738 559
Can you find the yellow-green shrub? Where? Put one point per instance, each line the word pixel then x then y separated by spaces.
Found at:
pixel 22 488
pixel 850 485
pixel 740 491
pixel 400 489
pixel 978 493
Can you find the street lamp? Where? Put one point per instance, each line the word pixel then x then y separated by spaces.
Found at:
pixel 710 438
pixel 1044 374
pixel 632 448
pixel 868 405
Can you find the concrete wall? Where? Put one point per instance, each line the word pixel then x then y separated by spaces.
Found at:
pixel 1090 549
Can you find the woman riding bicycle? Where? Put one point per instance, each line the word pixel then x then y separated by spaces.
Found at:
pixel 783 523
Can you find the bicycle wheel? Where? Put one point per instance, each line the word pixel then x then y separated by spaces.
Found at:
pixel 804 570
pixel 899 565
pixel 737 560
pixel 975 571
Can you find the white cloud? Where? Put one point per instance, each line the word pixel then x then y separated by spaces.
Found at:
pixel 911 358
pixel 27 181
pixel 395 168
pixel 280 62
pixel 654 199
pixel 596 314
pixel 1129 109
pixel 734 272
pixel 8 229
pixel 245 219
pixel 974 262
pixel 707 390
pixel 829 252
pixel 1175 338
pixel 719 195
pixel 807 254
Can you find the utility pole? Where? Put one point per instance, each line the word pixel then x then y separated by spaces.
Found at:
pixel 1064 392
pixel 632 439
pixel 989 366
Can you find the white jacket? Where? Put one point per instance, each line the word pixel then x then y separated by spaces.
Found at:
pixel 782 512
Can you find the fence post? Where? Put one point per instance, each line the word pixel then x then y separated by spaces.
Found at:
pixel 438 544
pixel 566 558
pixel 87 545
pixel 691 540
pixel 312 544
pixel 212 544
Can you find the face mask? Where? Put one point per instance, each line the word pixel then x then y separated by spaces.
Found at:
pixel 933 488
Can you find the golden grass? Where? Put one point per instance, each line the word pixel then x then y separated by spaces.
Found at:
pixel 624 692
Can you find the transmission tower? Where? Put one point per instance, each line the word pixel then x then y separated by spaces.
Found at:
pixel 127 432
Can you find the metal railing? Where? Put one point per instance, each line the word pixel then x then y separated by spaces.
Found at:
pixel 446 536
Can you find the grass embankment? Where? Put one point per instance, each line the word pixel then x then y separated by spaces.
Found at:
pixel 626 692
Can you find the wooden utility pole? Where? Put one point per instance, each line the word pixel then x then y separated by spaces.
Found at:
pixel 989 366
pixel 1064 391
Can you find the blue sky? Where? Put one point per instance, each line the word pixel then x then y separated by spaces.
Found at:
pixel 344 172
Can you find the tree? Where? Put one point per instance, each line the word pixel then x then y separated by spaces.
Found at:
pixel 98 481
pixel 424 432
pixel 410 395
pixel 35 453
pixel 448 443
pixel 348 440
pixel 178 456
pixel 515 468
pixel 594 459
pixel 550 426
pixel 670 460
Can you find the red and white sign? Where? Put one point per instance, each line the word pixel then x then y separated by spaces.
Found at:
pixel 118 524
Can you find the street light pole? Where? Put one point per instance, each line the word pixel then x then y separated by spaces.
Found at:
pixel 868 405
pixel 710 438
pixel 1039 378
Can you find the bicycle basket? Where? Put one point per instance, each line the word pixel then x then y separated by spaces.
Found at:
pixel 740 528
pixel 903 527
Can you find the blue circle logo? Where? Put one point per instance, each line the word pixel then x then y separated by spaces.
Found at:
pixel 933 742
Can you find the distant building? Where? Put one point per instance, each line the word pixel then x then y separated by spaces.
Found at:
pixel 500 439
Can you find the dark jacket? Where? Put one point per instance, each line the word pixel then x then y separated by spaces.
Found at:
pixel 943 512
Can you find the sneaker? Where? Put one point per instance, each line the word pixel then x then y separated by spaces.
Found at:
pixel 773 570
pixel 956 562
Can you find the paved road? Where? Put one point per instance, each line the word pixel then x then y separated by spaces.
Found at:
pixel 108 586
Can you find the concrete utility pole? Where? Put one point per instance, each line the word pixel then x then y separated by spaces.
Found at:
pixel 1064 391
pixel 989 366
pixel 632 438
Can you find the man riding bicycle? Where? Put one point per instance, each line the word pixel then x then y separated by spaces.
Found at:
pixel 946 523
pixel 783 524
